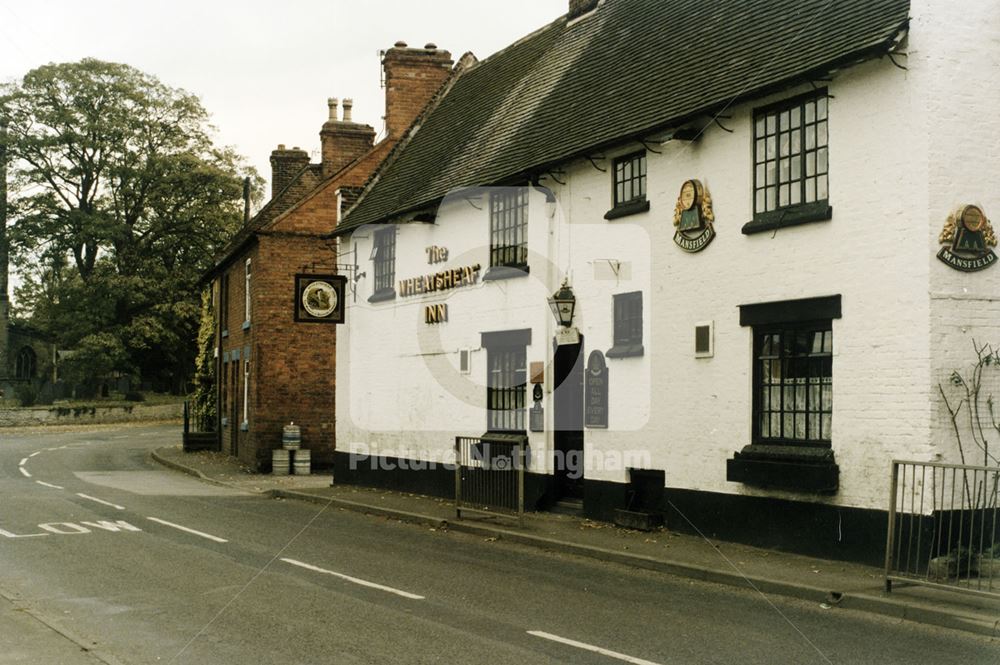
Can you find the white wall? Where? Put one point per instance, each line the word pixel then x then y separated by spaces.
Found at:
pixel 905 147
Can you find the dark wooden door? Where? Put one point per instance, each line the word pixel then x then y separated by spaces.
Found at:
pixel 568 368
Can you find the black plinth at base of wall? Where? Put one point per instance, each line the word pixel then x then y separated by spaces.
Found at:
pixel 795 468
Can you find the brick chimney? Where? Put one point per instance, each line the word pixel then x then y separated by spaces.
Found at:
pixel 343 139
pixel 285 165
pixel 412 76
pixel 580 7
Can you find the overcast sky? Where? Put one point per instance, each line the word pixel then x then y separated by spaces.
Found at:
pixel 262 69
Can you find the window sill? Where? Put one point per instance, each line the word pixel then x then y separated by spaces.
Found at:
pixel 625 351
pixel 626 209
pixel 495 273
pixel 790 216
pixel 382 295
pixel 246 325
pixel 801 468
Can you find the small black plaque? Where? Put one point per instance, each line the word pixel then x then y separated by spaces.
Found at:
pixel 596 413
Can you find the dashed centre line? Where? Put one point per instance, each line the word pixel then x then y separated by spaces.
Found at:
pixel 55 487
pixel 590 647
pixel 184 528
pixel 102 501
pixel 355 580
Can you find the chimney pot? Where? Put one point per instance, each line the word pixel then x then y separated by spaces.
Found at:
pixel 281 146
pixel 400 44
pixel 348 105
pixel 331 103
pixel 430 46
pixel 578 8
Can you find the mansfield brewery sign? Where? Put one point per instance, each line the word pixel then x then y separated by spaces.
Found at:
pixel 967 238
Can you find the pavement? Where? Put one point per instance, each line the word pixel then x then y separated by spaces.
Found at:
pixel 828 584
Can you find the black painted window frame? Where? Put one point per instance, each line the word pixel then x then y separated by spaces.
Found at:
pixel 507 380
pixel 384 260
pixel 775 352
pixel 628 323
pixel 629 175
pixel 509 228
pixel 791 166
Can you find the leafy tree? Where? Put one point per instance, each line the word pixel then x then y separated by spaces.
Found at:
pixel 120 202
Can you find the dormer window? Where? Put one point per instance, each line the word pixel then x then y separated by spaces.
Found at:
pixel 791 163
pixel 629 184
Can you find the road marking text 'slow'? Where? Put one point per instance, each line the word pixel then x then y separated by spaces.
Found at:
pixel 590 647
pixel 23 462
pixel 102 501
pixel 24 472
pixel 184 528
pixel 73 529
pixel 355 580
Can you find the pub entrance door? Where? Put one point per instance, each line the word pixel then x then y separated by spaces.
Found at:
pixel 568 373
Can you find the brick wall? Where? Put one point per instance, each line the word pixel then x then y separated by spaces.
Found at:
pixel 285 165
pixel 412 76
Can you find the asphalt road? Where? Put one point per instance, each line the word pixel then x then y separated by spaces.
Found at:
pixel 107 558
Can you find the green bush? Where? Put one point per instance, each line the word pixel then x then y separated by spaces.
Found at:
pixel 27 395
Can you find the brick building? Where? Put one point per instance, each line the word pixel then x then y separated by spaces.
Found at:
pixel 273 369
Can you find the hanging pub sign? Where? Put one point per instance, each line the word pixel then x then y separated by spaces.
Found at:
pixel 967 238
pixel 693 217
pixel 596 390
pixel 320 298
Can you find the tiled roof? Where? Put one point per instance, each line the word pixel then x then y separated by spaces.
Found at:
pixel 629 68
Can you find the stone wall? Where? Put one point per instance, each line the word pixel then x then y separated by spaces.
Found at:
pixel 87 415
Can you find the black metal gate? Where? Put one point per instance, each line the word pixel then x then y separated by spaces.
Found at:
pixel 489 476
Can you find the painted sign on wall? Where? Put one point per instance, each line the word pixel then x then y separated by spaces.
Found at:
pixel 967 238
pixel 596 391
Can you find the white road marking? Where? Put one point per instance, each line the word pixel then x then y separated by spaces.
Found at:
pixel 8 534
pixel 55 487
pixel 34 453
pixel 590 647
pixel 23 462
pixel 24 472
pixel 113 527
pixel 355 580
pixel 94 498
pixel 184 528
pixel 53 527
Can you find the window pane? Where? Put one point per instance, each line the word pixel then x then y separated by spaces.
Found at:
pixel 784 170
pixel 759 127
pixel 821 108
pixel 810 137
pixel 771 124
pixel 771 147
pixel 821 189
pixel 796 119
pixel 796 194
pixel 783 195
pixel 810 111
pixel 796 142
pixel 783 120
pixel 759 201
pixel 759 150
pixel 821 166
pixel 771 172
pixel 810 190
pixel 821 133
pixel 771 193
pixel 811 164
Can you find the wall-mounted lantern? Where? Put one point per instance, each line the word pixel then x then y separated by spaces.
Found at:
pixel 563 303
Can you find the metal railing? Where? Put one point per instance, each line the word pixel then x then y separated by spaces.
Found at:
pixel 200 431
pixel 944 527
pixel 489 477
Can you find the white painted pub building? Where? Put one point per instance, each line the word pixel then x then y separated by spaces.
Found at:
pixel 773 221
